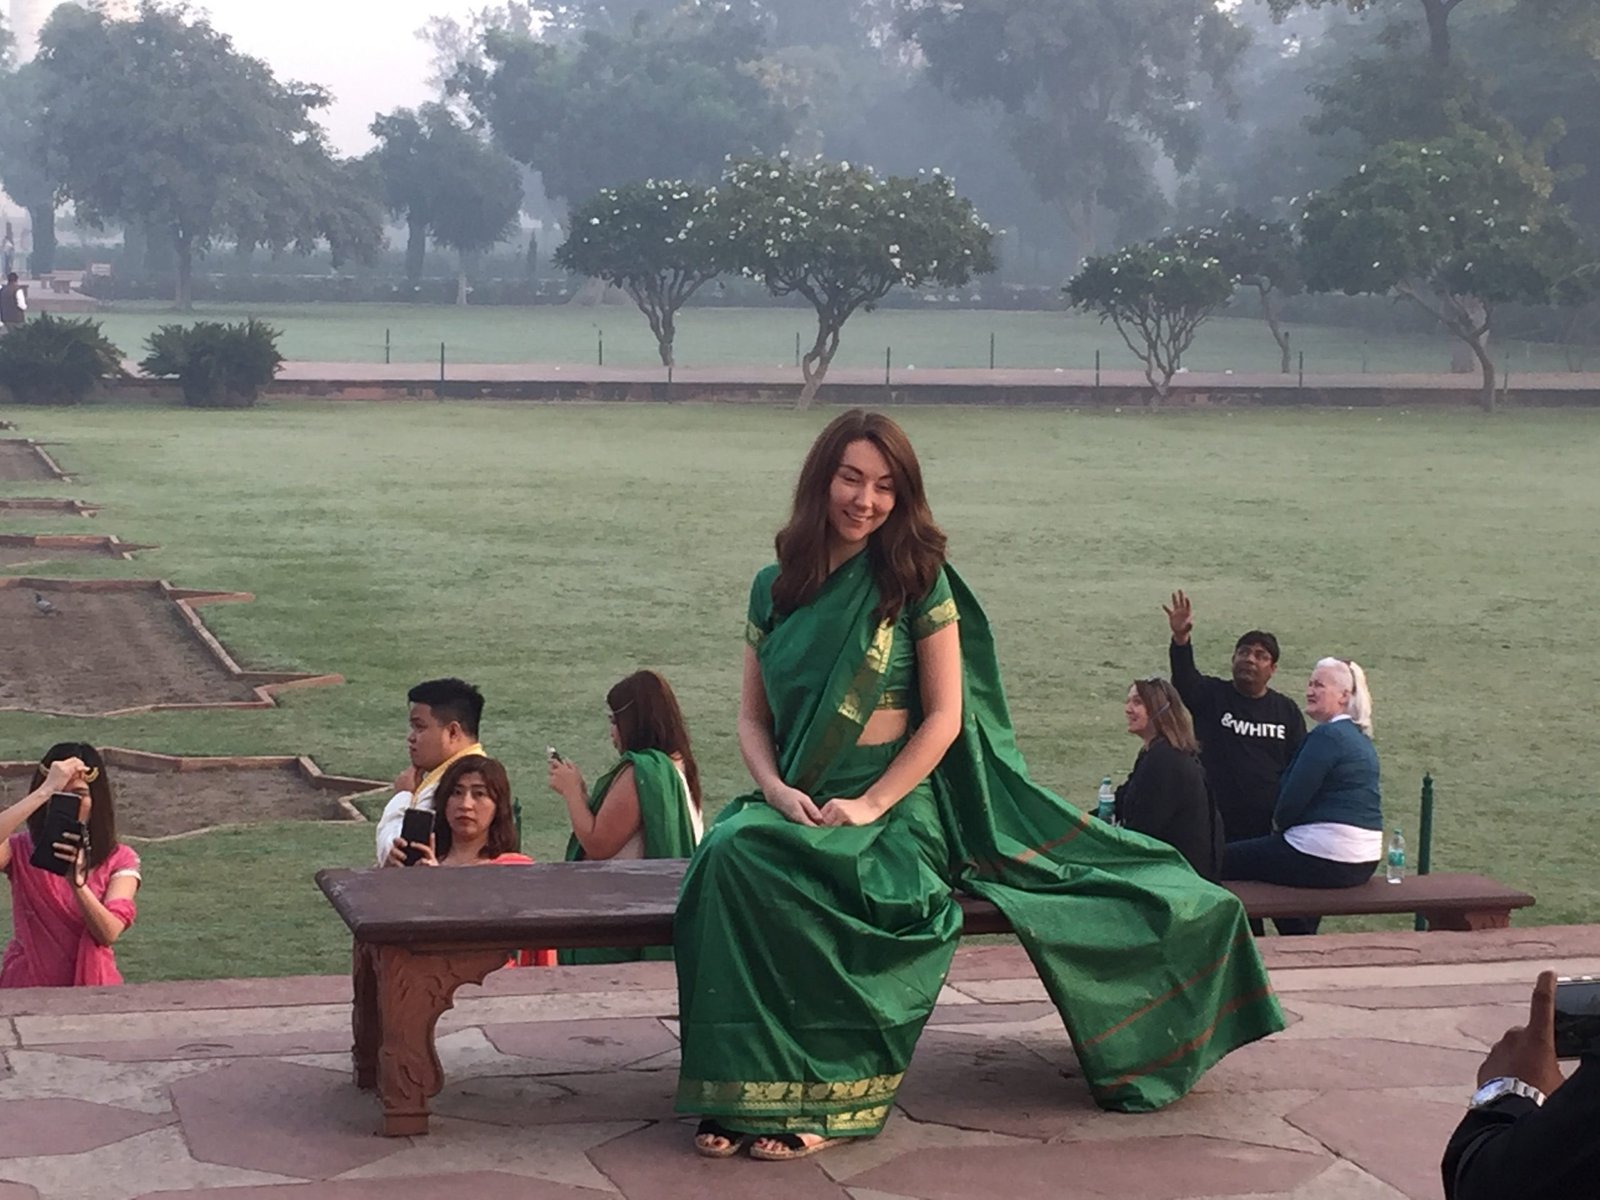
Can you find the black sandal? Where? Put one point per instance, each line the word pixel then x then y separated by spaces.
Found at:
pixel 791 1146
pixel 713 1128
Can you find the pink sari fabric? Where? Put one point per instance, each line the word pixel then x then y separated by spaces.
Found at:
pixel 51 946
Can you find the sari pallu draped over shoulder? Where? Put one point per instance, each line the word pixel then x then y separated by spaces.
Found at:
pixel 810 959
pixel 668 833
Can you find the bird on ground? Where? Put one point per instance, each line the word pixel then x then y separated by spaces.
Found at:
pixel 43 607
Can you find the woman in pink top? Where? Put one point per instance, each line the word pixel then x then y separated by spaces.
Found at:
pixel 64 926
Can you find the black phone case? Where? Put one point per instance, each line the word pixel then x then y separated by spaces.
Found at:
pixel 60 819
pixel 416 826
pixel 1577 1017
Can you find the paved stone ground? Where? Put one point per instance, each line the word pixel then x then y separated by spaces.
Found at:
pixel 559 1085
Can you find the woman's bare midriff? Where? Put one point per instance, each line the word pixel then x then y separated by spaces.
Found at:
pixel 885 725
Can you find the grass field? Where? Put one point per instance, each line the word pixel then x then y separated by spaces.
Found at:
pixel 727 336
pixel 545 551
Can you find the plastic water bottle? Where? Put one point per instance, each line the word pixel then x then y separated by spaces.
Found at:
pixel 1106 809
pixel 1395 860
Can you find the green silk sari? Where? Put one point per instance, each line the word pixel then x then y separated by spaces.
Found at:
pixel 809 959
pixel 668 833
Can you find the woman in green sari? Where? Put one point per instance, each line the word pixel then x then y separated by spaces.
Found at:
pixel 647 805
pixel 817 923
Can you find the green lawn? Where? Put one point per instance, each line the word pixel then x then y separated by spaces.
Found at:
pixel 924 337
pixel 545 551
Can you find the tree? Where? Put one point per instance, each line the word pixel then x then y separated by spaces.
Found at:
pixel 659 241
pixel 661 99
pixel 1092 90
pixel 1435 13
pixel 1455 226
pixel 158 121
pixel 441 177
pixel 478 198
pixel 844 237
pixel 1256 253
pixel 1157 297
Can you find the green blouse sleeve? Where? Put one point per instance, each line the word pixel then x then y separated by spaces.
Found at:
pixel 936 610
pixel 758 618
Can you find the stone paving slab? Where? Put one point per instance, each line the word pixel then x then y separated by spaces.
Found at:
pixel 559 1084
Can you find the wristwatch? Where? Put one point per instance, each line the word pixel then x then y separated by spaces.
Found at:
pixel 1499 1089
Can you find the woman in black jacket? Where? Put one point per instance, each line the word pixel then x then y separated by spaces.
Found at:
pixel 1165 796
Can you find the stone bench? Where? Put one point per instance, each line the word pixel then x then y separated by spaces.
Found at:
pixel 421 934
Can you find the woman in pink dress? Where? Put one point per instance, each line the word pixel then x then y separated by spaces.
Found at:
pixel 65 925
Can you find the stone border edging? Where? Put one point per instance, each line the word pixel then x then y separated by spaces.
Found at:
pixel 77 508
pixel 114 546
pixel 40 453
pixel 265 684
pixel 151 762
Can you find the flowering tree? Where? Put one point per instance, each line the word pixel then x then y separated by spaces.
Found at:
pixel 842 237
pixel 1157 295
pixel 1455 225
pixel 1258 253
pixel 659 241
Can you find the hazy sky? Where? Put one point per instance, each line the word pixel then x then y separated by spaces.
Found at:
pixel 364 51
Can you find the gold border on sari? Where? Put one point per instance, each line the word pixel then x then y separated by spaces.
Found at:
pixel 868 1099
pixel 859 702
pixel 753 633
pixel 935 619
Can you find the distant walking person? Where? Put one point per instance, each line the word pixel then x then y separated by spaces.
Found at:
pixel 13 303
pixel 1248 732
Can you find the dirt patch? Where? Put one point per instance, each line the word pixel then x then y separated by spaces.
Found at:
pixel 107 647
pixel 22 460
pixel 19 548
pixel 36 504
pixel 159 796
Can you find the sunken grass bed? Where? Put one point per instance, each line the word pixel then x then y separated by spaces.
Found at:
pixel 544 551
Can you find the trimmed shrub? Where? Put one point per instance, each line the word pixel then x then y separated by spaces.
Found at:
pixel 216 365
pixel 56 360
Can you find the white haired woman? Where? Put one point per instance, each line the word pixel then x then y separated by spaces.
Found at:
pixel 1327 828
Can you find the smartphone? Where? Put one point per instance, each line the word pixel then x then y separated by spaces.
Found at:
pixel 60 824
pixel 554 754
pixel 416 827
pixel 1578 1016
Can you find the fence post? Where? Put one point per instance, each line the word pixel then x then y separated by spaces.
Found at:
pixel 797 347
pixel 386 347
pixel 1425 838
pixel 1097 369
pixel 887 351
pixel 441 368
pixel 991 350
pixel 1301 385
pixel 600 347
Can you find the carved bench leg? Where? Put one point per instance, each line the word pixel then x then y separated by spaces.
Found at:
pixel 364 1018
pixel 1468 922
pixel 414 989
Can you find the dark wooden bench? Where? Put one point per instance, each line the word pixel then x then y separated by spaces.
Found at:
pixel 419 935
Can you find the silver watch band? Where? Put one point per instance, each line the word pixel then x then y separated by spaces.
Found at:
pixel 1499 1089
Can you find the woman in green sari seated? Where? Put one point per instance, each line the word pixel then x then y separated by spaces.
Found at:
pixel 817 923
pixel 647 805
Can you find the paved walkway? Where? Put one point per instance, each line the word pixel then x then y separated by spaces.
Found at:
pixel 559 1085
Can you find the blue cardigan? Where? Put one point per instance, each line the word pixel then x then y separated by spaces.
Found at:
pixel 1333 777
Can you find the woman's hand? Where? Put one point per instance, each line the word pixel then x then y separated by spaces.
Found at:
pixel 794 804
pixel 859 811
pixel 566 779
pixel 397 853
pixel 65 775
pixel 74 851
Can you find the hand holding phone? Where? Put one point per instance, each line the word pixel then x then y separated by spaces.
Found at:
pixel 554 754
pixel 61 824
pixel 416 827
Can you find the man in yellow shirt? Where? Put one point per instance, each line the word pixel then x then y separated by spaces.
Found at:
pixel 444 717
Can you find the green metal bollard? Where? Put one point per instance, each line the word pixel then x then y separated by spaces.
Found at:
pixel 1425 837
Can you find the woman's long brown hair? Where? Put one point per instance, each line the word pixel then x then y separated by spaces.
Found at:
pixel 906 552
pixel 502 838
pixel 102 810
pixel 1167 712
pixel 648 718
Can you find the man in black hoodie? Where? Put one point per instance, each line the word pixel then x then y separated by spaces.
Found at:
pixel 1248 732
